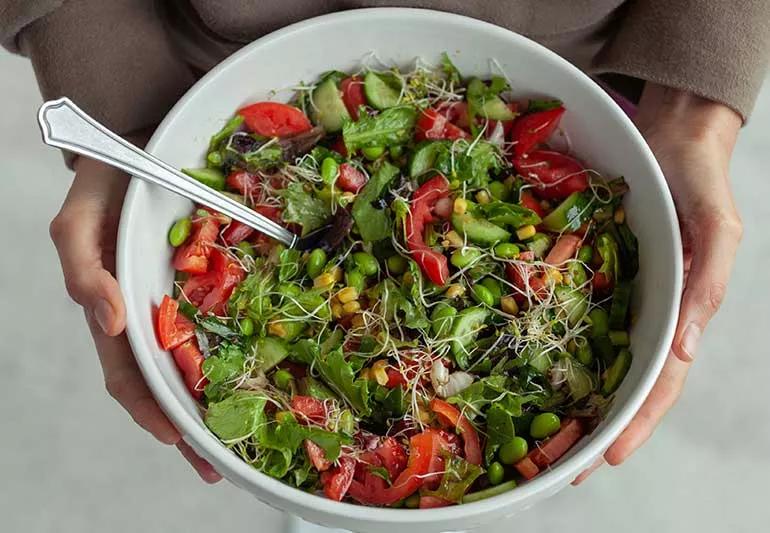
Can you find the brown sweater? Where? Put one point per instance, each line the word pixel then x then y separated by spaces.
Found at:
pixel 128 61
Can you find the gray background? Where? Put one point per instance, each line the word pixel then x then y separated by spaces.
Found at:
pixel 71 460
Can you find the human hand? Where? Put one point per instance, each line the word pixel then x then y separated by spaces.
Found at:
pixel 692 139
pixel 85 233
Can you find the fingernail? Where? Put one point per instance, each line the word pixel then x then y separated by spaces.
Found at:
pixel 103 314
pixel 690 339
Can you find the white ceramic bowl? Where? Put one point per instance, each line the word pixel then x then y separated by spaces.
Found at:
pixel 600 133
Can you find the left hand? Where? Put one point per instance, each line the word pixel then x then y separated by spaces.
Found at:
pixel 692 139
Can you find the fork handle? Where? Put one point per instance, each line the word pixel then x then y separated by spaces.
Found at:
pixel 65 125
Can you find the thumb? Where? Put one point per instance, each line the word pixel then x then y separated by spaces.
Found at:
pixel 77 232
pixel 715 244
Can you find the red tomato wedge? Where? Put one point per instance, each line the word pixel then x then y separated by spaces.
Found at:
pixel 565 248
pixel 244 182
pixel 350 178
pixel 432 263
pixel 193 256
pixel 210 291
pixel 273 119
pixel 337 480
pixel 601 282
pixel 432 125
pixel 173 327
pixel 527 468
pixel 551 449
pixel 393 456
pixel 534 128
pixel 317 456
pixel 529 201
pixel 189 360
pixel 431 502
pixel 308 409
pixel 353 95
pixel 236 231
pixel 450 415
pixel 554 175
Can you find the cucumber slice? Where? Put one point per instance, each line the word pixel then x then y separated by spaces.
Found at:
pixel 495 109
pixel 539 244
pixel 479 230
pixel 328 108
pixel 424 157
pixel 616 372
pixel 574 302
pixel 464 330
pixel 381 91
pixel 568 215
pixel 270 352
pixel 211 177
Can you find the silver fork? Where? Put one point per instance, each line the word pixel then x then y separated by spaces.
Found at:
pixel 65 125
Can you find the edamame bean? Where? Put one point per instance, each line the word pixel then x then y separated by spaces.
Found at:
pixel 464 256
pixel 600 322
pixel 507 250
pixel 441 319
pixel 329 169
pixel 372 152
pixel 246 326
pixel 583 352
pixel 585 254
pixel 316 262
pixel 494 287
pixel 397 264
pixel 577 273
pixel 282 379
pixel 366 263
pixel 495 473
pixel 214 159
pixel 179 231
pixel 396 151
pixel 483 295
pixel 354 278
pixel 544 425
pixel 498 190
pixel 412 502
pixel 513 451
pixel 289 289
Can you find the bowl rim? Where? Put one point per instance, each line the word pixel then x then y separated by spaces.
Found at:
pixel 283 495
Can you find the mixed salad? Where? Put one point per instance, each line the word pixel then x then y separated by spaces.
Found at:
pixel 463 320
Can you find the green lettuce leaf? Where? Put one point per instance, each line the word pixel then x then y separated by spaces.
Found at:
pixel 304 209
pixel 339 375
pixel 469 162
pixel 499 426
pixel 391 127
pixel 458 477
pixel 374 224
pixel 507 214
pixel 236 417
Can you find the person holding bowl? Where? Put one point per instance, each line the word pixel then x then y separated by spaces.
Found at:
pixel 689 72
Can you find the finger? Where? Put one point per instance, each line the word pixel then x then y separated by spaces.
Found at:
pixel 663 395
pixel 125 383
pixel 201 466
pixel 83 228
pixel 717 242
pixel 588 471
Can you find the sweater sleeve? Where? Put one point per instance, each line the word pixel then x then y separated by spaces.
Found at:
pixel 112 58
pixel 717 50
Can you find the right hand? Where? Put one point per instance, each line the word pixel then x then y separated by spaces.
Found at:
pixel 85 233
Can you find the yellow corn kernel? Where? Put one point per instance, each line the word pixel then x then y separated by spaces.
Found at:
pixel 567 279
pixel 348 294
pixel 366 373
pixel 348 196
pixel 526 232
pixel 323 280
pixel 508 304
pixel 620 215
pixel 379 372
pixel 454 291
pixel 553 275
pixel 482 197
pixel 336 273
pixel 460 206
pixel 407 279
pixel 351 307
pixel 276 329
pixel 454 239
pixel 357 321
pixel 337 310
